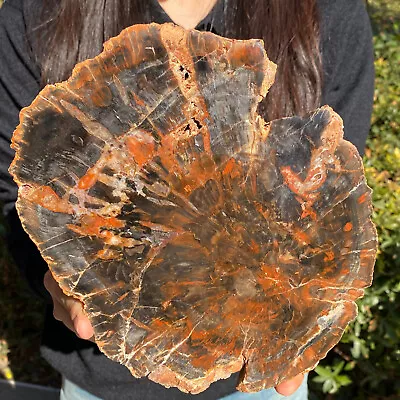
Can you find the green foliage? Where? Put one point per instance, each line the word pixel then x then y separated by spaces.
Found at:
pixel 366 363
pixel 331 378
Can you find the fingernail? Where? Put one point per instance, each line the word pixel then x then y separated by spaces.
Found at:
pixel 78 327
pixel 83 330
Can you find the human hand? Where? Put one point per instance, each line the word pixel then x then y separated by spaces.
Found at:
pixel 288 387
pixel 68 309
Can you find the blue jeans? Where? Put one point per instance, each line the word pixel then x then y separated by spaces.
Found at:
pixel 70 391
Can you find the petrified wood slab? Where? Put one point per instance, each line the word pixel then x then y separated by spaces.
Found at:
pixel 201 239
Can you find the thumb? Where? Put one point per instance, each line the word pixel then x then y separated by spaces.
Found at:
pixel 68 309
pixel 288 387
pixel 82 326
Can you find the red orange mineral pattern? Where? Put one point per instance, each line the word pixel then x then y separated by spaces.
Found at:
pixel 202 240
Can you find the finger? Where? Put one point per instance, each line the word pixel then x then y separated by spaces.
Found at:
pixel 288 387
pixel 77 318
pixel 72 315
pixel 50 284
pixel 83 327
pixel 53 287
pixel 61 311
pixel 60 314
pixel 80 321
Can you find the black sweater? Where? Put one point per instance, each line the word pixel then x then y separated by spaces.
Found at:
pixel 347 56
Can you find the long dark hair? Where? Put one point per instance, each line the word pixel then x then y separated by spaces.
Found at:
pixel 69 31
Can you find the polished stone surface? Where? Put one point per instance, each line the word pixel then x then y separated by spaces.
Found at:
pixel 201 239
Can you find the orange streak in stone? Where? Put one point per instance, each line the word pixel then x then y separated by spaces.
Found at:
pixel 242 55
pixel 175 42
pixel 89 179
pixel 81 75
pixel 107 254
pixel 263 211
pixel 200 171
pixel 253 182
pixel 272 280
pixel 359 283
pixel 204 361
pixel 228 167
pixel 92 174
pixel 141 146
pixel 302 236
pixel 308 212
pixel 194 174
pixel 138 100
pixel 158 326
pixel 254 246
pixel 120 298
pixel 362 198
pixel 92 225
pixel 303 188
pixel 309 354
pixel 47 198
pixel 330 256
pixel 102 97
pixel 348 227
pixel 366 257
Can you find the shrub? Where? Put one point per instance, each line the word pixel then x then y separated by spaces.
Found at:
pixel 366 363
